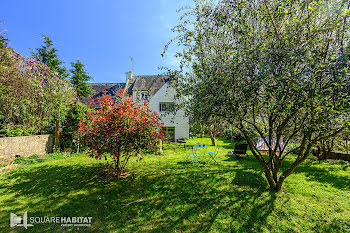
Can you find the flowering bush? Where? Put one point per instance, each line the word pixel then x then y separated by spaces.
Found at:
pixel 31 95
pixel 119 127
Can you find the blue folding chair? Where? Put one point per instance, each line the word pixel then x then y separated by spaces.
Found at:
pixel 190 151
pixel 213 154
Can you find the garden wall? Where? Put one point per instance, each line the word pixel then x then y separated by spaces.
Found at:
pixel 25 146
pixel 339 155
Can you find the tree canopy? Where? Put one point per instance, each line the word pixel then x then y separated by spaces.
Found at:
pixel 279 67
pixel 79 79
pixel 48 55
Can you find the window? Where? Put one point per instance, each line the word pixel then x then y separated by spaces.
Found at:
pixel 144 95
pixel 166 107
pixel 169 133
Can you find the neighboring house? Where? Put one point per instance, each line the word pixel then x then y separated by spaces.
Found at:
pixel 159 92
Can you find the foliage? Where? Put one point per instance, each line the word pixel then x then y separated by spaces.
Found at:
pixel 79 79
pixel 195 128
pixel 233 134
pixel 48 55
pixel 14 131
pixel 119 127
pixel 236 135
pixel 76 113
pixel 279 67
pixel 165 195
pixel 337 143
pixel 32 95
pixel 343 143
pixel 323 148
pixel 3 41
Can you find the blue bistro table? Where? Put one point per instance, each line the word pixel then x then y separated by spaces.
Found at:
pixel 201 148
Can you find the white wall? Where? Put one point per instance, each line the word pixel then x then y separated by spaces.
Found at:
pixel 181 123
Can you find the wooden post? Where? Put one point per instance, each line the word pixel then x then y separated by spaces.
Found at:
pixel 57 133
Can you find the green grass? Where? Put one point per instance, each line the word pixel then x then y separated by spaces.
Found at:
pixel 166 195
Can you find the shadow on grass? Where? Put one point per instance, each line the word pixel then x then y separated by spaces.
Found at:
pixel 229 158
pixel 322 175
pixel 308 168
pixel 228 144
pixel 183 200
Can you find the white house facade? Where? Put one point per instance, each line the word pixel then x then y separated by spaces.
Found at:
pixel 176 121
pixel 161 95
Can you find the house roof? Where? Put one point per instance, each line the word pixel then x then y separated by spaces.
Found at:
pixel 151 83
pixel 110 88
pixel 99 87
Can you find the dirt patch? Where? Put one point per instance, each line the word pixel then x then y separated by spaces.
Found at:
pixel 8 168
pixel 124 175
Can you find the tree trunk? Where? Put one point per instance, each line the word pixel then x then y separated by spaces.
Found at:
pixel 212 137
pixel 277 163
pixel 160 147
pixel 324 147
pixel 118 165
pixel 269 178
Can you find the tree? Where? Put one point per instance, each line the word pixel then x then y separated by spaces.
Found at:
pixel 80 78
pixel 76 112
pixel 200 106
pixel 283 69
pixel 48 55
pixel 119 127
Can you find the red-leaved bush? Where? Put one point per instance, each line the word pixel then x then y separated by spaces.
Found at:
pixel 121 128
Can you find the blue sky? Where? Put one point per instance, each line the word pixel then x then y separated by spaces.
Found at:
pixel 102 33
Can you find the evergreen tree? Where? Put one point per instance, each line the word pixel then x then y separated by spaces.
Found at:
pixel 80 78
pixel 3 41
pixel 48 55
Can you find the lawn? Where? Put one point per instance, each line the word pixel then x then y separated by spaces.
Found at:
pixel 166 195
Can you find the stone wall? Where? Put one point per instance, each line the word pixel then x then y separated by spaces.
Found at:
pixel 25 146
pixel 339 155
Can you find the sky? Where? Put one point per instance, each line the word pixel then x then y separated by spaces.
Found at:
pixel 103 34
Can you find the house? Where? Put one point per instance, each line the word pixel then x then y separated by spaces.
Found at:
pixel 159 92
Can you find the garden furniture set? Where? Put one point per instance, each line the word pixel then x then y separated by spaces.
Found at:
pixel 194 152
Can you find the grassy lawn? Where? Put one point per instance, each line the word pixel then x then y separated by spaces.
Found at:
pixel 166 195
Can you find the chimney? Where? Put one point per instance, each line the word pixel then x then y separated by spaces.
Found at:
pixel 129 75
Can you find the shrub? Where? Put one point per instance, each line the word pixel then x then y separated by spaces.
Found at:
pixel 31 95
pixel 14 131
pixel 121 128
